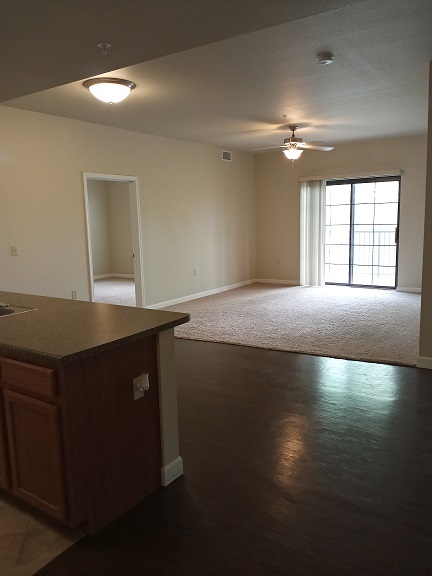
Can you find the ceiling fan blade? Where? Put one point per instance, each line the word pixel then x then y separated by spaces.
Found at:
pixel 269 147
pixel 315 146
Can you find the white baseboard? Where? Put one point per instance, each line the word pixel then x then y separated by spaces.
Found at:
pixel 424 362
pixel 102 276
pixel 172 471
pixel 272 281
pixel 413 290
pixel 238 285
pixel 199 295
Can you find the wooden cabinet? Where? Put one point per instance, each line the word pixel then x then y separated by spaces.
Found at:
pixel 35 451
pixel 75 441
pixel 4 476
pixel 33 433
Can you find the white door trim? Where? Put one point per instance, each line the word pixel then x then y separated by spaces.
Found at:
pixel 136 231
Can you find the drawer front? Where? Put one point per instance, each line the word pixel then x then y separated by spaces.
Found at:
pixel 28 378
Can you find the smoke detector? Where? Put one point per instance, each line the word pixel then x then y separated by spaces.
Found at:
pixel 324 58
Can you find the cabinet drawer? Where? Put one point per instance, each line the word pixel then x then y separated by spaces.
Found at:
pixel 28 378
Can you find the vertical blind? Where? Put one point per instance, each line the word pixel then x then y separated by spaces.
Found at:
pixel 312 228
pixel 312 222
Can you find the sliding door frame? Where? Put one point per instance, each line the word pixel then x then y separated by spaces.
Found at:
pixel 352 182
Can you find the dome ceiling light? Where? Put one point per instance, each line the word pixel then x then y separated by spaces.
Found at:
pixel 109 90
pixel 292 152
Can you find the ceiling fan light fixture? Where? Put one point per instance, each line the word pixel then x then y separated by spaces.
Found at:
pixel 292 153
pixel 109 90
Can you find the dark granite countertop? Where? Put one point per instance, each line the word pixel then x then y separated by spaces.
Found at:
pixel 63 330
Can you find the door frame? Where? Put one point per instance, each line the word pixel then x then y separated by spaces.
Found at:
pixel 360 180
pixel 135 229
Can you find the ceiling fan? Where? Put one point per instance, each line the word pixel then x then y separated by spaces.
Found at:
pixel 293 147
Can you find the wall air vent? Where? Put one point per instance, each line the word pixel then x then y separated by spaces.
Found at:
pixel 226 156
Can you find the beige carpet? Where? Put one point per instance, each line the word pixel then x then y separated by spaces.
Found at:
pixel 341 322
pixel 113 290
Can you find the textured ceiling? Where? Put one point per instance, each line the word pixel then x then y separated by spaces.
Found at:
pixel 48 43
pixel 216 73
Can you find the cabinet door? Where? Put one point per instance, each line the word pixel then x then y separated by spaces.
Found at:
pixel 33 430
pixel 4 480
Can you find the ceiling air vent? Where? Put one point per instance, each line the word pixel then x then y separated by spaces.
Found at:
pixel 227 156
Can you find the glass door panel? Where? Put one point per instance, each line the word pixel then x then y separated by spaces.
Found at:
pixel 338 231
pixel 361 232
pixel 362 275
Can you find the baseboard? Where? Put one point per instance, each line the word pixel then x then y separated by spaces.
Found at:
pixel 102 276
pixel 413 290
pixel 172 471
pixel 272 281
pixel 199 295
pixel 424 362
pixel 239 285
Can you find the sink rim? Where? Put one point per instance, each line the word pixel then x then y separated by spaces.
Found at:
pixel 12 310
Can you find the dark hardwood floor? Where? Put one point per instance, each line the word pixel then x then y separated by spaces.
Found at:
pixel 294 465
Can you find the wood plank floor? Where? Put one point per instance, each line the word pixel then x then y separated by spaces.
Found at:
pixel 294 465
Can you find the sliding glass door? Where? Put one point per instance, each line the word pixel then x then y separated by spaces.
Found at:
pixel 361 236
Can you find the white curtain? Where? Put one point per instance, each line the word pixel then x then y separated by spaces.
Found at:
pixel 312 232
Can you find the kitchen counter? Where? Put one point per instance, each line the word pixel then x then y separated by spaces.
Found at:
pixel 88 406
pixel 62 330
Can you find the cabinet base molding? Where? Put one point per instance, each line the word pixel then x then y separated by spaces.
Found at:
pixel 172 471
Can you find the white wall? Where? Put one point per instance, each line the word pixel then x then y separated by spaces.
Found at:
pixel 197 212
pixel 425 351
pixel 278 201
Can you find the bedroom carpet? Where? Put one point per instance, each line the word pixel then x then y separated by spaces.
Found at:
pixel 120 291
pixel 341 322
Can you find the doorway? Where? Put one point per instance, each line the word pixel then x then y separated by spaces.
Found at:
pixel 362 232
pixel 114 233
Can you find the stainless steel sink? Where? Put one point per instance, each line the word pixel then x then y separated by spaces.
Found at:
pixel 10 309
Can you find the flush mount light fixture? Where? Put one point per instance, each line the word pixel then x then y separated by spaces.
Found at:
pixel 109 90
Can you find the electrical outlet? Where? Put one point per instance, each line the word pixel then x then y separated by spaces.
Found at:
pixel 74 295
pixel 140 385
